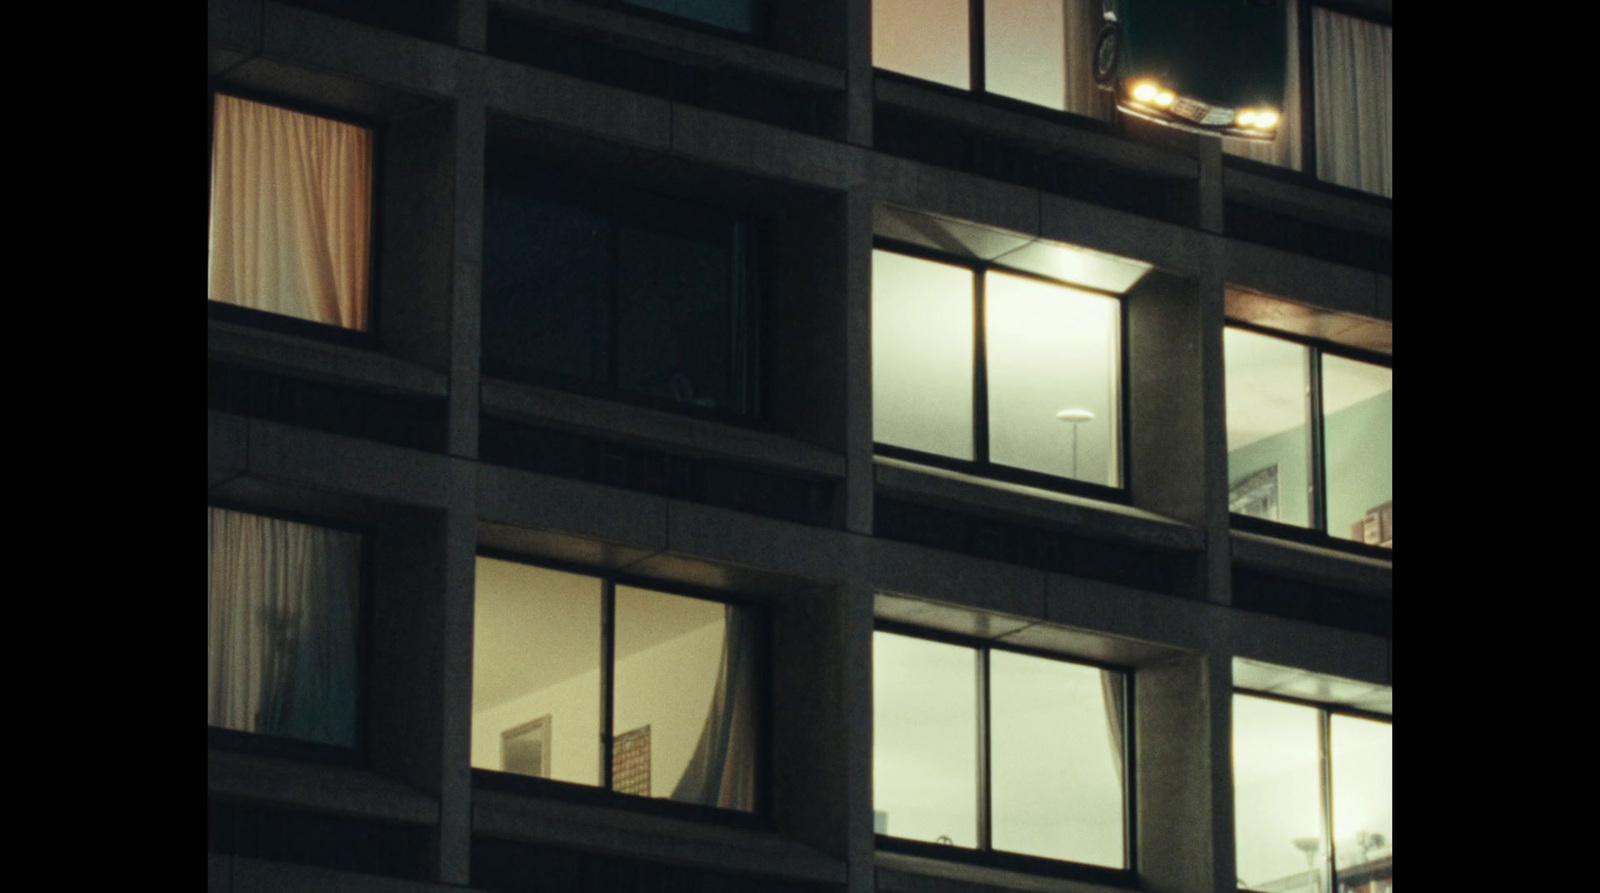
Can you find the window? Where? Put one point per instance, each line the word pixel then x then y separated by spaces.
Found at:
pixel 1037 51
pixel 1310 438
pixel 291 213
pixel 1350 62
pixel 281 642
pixel 998 372
pixel 584 680
pixel 999 752
pixel 595 287
pixel 1313 795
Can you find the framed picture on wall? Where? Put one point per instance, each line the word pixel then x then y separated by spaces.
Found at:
pixel 1256 494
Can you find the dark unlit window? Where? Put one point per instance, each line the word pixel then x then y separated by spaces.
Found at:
pixel 592 287
pixel 734 15
pixel 680 681
pixel 282 614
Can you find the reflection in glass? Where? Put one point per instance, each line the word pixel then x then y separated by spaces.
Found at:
pixel 1362 752
pixel 925 739
pixel 922 353
pixel 1052 375
pixel 1269 430
pixel 923 38
pixel 1055 759
pixel 536 655
pixel 1277 799
pixel 1358 439
pixel 281 627
pixel 685 672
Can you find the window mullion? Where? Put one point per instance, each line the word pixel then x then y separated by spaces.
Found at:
pixel 608 639
pixel 982 669
pixel 980 373
pixel 975 42
pixel 1325 764
pixel 1318 450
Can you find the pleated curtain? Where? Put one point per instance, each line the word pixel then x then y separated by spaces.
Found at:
pixel 722 771
pixel 291 207
pixel 1354 64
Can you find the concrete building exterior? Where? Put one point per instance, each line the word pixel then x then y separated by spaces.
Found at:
pixel 406 434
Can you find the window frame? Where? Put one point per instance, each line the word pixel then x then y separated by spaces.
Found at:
pixel 224 312
pixel 1307 174
pixel 984 853
pixel 610 196
pixel 981 465
pixel 977 77
pixel 1317 533
pixel 1325 713
pixel 239 741
pixel 759 818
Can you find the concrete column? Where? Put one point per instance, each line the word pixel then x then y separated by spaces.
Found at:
pixel 858 362
pixel 467 185
pixel 858 71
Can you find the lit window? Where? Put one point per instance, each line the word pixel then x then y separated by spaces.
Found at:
pixel 291 213
pixel 998 751
pixel 1047 355
pixel 1353 61
pixel 281 634
pixel 551 648
pixel 1310 437
pixel 594 287
pixel 1284 798
pixel 1036 51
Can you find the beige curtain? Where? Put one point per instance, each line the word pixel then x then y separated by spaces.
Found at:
pixel 1354 64
pixel 281 643
pixel 291 208
pixel 722 771
pixel 1286 149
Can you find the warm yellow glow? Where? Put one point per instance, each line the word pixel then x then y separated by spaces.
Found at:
pixel 1266 119
pixel 1246 118
pixel 1165 98
pixel 1145 92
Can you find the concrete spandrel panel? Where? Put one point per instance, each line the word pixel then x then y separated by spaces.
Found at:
pixel 554 546
pixel 1257 675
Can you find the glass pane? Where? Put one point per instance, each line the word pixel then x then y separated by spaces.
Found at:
pixel 923 38
pixel 1269 430
pixel 1358 438
pixel 680 302
pixel 1053 395
pixel 1024 50
pixel 925 740
pixel 547 267
pixel 1353 63
pixel 291 213
pixel 735 15
pixel 1055 772
pixel 1277 796
pixel 685 702
pixel 536 672
pixel 1363 803
pixel 922 346
pixel 281 640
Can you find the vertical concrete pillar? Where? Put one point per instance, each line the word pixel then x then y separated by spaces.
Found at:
pixel 858 72
pixel 1182 717
pixel 467 184
pixel 858 361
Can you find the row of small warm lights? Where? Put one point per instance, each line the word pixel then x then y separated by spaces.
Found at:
pixel 1263 119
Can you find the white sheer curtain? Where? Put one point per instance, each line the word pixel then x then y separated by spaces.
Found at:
pixel 1286 149
pixel 282 627
pixel 722 771
pixel 291 208
pixel 1354 64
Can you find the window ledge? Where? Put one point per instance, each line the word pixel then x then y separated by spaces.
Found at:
pixel 1315 564
pixel 312 359
pixel 336 789
pixel 904 873
pixel 653 427
pixel 1031 130
pixel 1374 216
pixel 683 44
pixel 957 490
pixel 640 835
